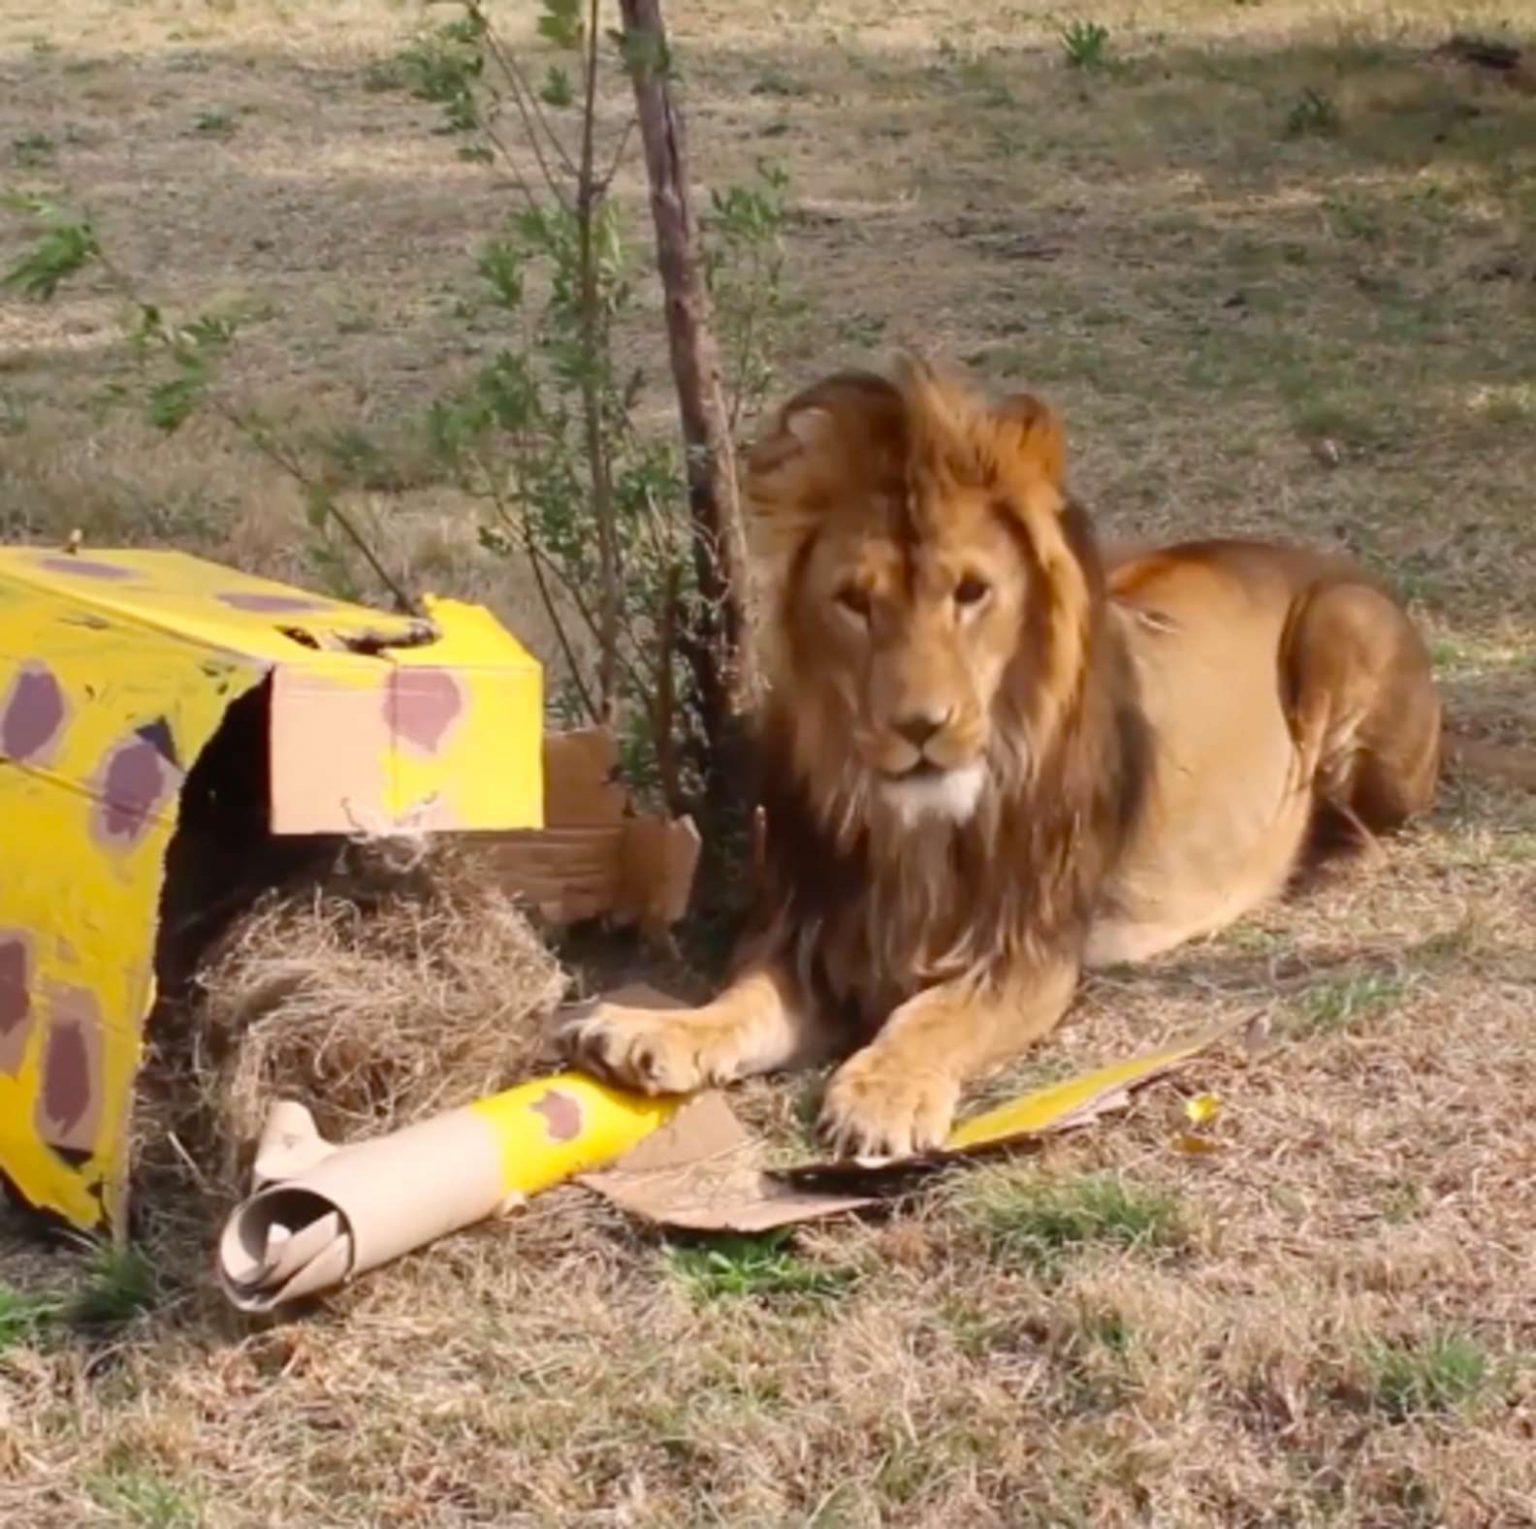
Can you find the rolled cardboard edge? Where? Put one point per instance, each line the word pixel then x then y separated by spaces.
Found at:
pixel 290 1144
pixel 346 1210
pixel 359 1207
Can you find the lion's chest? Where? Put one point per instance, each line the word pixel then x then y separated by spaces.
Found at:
pixel 912 924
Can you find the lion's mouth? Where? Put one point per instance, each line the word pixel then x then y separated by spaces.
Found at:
pixel 929 790
pixel 924 769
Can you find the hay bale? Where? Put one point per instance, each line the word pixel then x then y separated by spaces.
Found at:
pixel 377 995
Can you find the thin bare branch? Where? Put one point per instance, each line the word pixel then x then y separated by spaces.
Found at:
pixel 606 179
pixel 546 596
pixel 593 419
pixel 252 431
pixel 535 122
pixel 517 519
pixel 715 640
pixel 516 176
pixel 536 125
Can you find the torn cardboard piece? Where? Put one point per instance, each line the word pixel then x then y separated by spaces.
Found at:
pixel 322 1214
pixel 1077 1102
pixel 701 1172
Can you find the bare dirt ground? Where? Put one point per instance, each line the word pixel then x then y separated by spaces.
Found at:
pixel 1277 264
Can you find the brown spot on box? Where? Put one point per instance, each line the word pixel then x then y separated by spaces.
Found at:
pixel 33 714
pixel 260 602
pixel 15 1000
pixel 562 1113
pixel 421 705
pixel 85 568
pixel 136 780
pixel 69 1105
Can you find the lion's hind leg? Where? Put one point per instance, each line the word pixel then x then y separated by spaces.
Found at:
pixel 1361 700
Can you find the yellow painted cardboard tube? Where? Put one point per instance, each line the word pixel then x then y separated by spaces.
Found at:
pixel 322 1214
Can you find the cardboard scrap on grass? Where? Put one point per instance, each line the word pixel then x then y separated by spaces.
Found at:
pixel 702 1171
pixel 322 1214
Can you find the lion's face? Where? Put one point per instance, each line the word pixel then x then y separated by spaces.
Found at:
pixel 915 634
pixel 913 529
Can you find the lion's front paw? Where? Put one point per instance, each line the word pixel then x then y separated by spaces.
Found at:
pixel 658 1051
pixel 877 1107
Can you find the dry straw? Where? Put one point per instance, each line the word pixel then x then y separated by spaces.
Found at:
pixel 375 994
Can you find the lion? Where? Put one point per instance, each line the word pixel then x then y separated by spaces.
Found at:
pixel 993 756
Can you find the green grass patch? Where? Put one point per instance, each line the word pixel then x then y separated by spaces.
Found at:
pixel 117 1285
pixel 1040 1224
pixel 1328 1007
pixel 1108 1329
pixel 735 1268
pixel 24 1319
pixel 1441 1374
pixel 120 1283
pixel 144 1499
pixel 33 151
pixel 1350 425
pixel 1085 45
pixel 217 123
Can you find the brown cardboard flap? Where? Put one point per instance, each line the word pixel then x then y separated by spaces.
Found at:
pixel 594 858
pixel 701 1172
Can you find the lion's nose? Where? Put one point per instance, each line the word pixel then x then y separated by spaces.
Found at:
pixel 919 726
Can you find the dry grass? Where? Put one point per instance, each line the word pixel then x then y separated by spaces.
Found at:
pixel 376 996
pixel 1259 313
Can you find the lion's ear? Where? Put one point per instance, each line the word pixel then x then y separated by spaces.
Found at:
pixel 1030 431
pixel 801 432
pixel 823 441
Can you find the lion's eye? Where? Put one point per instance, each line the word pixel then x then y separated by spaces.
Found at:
pixel 971 590
pixel 855 601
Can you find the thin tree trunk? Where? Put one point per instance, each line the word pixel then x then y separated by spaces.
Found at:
pixel 588 196
pixel 716 646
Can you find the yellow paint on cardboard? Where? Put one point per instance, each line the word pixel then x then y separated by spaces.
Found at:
pixel 475 776
pixel 1047 1107
pixel 83 871
pixel 556 1127
pixel 198 601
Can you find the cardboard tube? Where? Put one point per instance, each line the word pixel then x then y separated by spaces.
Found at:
pixel 323 1214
